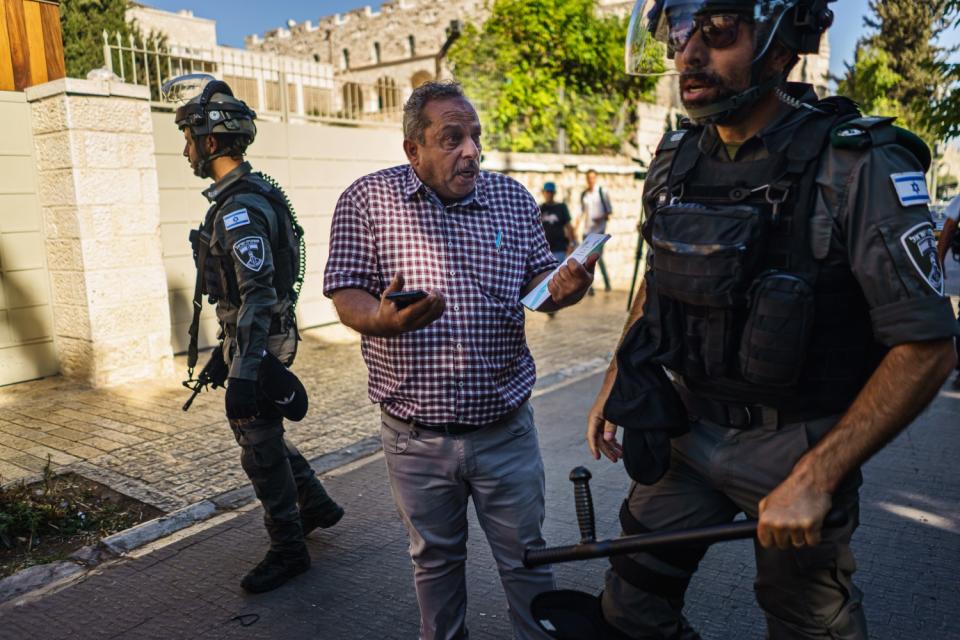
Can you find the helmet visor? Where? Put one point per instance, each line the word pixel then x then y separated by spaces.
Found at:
pixel 660 29
pixel 182 89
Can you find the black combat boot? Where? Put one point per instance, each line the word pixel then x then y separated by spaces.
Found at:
pixel 323 513
pixel 275 569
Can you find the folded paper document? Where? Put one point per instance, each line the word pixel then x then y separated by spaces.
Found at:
pixel 591 244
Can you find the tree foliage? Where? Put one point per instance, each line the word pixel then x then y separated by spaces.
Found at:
pixel 899 69
pixel 539 70
pixel 82 23
pixel 945 117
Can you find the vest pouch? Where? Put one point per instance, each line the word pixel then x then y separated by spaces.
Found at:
pixel 285 270
pixel 778 329
pixel 704 255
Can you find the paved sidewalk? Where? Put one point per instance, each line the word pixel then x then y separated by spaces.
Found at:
pixel 361 586
pixel 138 441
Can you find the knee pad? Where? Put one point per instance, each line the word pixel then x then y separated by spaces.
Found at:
pixel 683 558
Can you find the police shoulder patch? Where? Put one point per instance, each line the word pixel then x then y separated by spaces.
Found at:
pixel 921 248
pixel 250 252
pixel 911 188
pixel 236 219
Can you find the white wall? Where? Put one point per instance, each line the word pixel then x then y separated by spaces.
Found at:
pixel 313 162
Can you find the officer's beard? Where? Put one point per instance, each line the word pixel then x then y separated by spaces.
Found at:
pixel 722 91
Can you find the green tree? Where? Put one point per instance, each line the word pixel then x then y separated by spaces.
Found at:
pixel 871 81
pixel 898 69
pixel 539 70
pixel 945 114
pixel 82 23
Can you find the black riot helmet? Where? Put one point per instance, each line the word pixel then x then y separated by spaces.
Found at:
pixel 208 107
pixel 660 28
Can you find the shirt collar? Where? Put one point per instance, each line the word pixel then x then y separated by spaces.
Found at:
pixel 218 187
pixel 412 184
pixel 775 136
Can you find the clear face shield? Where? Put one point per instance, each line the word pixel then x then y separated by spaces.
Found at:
pixel 182 89
pixel 660 29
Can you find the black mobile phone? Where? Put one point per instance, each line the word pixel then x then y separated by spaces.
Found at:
pixel 406 298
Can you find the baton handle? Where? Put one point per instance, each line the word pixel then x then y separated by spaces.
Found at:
pixel 580 477
pixel 741 530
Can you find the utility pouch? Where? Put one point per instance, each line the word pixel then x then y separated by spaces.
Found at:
pixel 285 270
pixel 777 333
pixel 706 255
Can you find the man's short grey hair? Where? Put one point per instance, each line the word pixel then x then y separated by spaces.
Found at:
pixel 414 121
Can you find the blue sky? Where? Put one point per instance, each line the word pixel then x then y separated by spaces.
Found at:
pixel 257 17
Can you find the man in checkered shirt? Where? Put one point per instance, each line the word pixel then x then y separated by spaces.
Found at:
pixel 452 372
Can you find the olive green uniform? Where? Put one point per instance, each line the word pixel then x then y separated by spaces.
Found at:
pixel 864 223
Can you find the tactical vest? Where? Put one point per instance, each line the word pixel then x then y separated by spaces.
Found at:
pixel 759 319
pixel 216 277
pixel 219 277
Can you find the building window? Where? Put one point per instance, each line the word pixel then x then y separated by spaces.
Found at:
pixel 345 59
pixel 411 46
pixel 376 53
pixel 316 57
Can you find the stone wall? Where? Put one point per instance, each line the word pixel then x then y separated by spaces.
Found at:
pixel 98 194
pixel 183 29
pixel 399 42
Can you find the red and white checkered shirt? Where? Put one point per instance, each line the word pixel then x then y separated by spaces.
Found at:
pixel 471 366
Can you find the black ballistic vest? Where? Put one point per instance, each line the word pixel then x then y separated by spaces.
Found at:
pixel 219 277
pixel 750 314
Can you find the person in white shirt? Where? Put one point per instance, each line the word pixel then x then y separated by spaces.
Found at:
pixel 943 245
pixel 595 210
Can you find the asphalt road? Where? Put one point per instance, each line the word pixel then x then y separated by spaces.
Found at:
pixel 360 586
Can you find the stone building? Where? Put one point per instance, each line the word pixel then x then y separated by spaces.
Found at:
pixel 400 46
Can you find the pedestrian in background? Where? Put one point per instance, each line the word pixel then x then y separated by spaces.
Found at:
pixel 595 211
pixel 943 246
pixel 452 373
pixel 557 227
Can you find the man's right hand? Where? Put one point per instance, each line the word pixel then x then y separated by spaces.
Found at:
pixel 392 321
pixel 601 434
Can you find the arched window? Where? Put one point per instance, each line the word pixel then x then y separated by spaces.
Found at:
pixel 376 53
pixel 345 59
pixel 352 96
pixel 411 45
pixel 419 78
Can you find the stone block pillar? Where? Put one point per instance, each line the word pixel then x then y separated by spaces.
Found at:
pixel 98 192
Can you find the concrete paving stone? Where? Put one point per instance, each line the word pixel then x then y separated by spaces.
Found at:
pixel 69 434
pixel 118 437
pixel 56 442
pixel 102 444
pixel 10 472
pixel 29 462
pixel 55 456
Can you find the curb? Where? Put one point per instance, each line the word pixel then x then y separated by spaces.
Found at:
pixel 51 575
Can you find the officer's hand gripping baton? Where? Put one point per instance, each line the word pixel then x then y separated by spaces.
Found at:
pixel 588 548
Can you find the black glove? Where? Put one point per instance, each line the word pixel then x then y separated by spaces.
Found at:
pixel 241 399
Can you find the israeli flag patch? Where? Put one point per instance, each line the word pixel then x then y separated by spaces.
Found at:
pixel 911 188
pixel 236 219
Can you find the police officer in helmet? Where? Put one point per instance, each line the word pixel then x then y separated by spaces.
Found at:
pixel 248 254
pixel 792 322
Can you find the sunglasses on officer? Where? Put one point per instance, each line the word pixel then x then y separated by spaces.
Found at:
pixel 718 30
